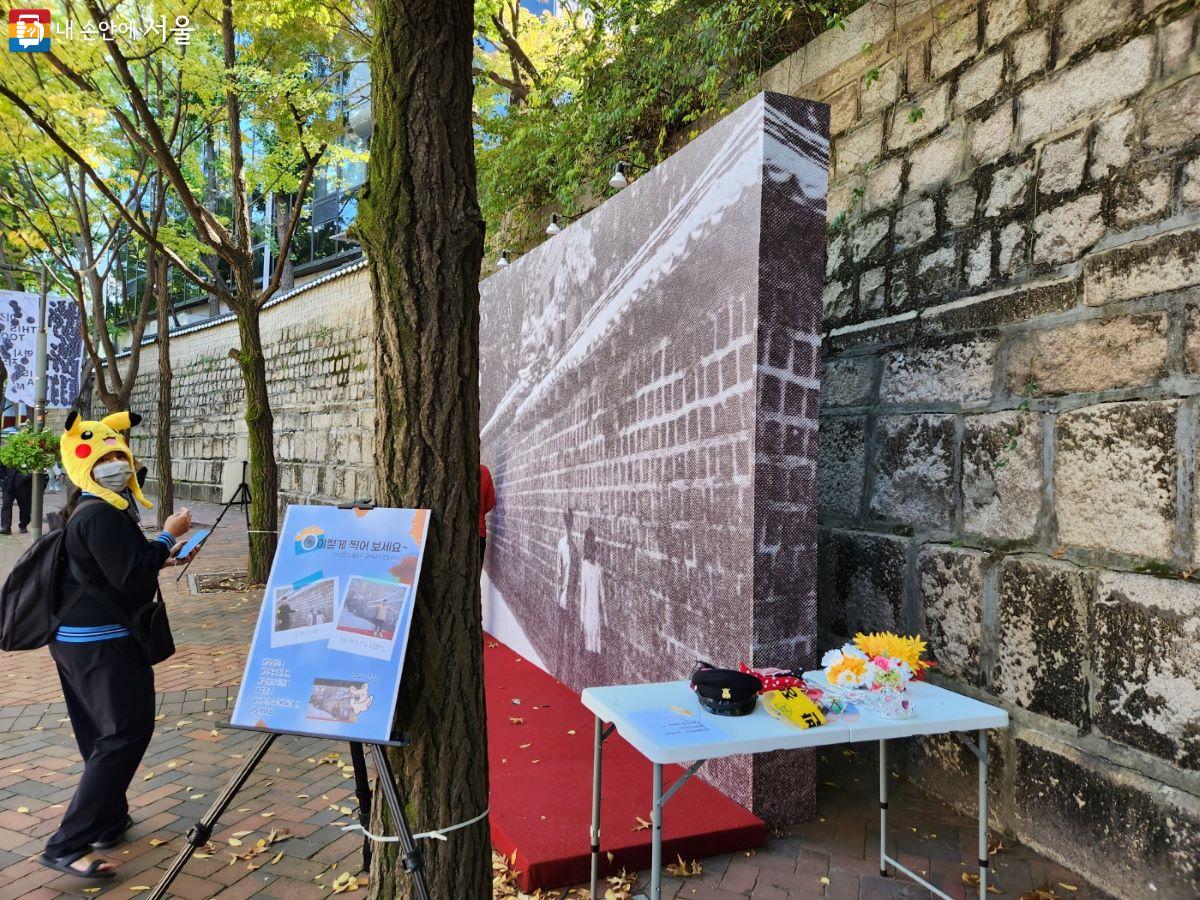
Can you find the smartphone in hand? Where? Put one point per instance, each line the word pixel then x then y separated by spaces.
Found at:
pixel 193 543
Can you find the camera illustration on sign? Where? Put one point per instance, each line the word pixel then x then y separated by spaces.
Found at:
pixel 328 650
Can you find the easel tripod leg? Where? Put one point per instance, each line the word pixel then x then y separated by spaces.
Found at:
pixel 199 833
pixel 362 790
pixel 411 856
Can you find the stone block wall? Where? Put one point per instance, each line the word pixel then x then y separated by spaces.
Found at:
pixel 1009 412
pixel 319 367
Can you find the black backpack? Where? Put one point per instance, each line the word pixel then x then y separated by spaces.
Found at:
pixel 31 601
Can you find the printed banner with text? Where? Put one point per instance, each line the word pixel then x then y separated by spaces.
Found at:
pixel 18 347
pixel 328 650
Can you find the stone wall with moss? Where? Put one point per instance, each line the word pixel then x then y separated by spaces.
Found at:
pixel 1012 360
pixel 319 369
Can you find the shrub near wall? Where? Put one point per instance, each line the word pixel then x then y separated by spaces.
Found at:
pixel 1012 357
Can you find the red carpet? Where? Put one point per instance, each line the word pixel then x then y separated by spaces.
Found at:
pixel 541 786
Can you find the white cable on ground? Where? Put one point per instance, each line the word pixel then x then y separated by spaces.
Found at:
pixel 439 835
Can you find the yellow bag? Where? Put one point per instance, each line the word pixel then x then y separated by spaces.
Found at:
pixel 793 706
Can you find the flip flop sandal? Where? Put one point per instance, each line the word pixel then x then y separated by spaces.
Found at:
pixel 63 864
pixel 117 840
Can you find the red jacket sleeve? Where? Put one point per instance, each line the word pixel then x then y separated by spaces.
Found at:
pixel 487 498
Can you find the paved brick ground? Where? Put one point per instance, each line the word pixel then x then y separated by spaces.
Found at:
pixel 193 755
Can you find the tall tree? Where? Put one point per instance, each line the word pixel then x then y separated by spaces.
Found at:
pixel 248 73
pixel 162 430
pixel 421 227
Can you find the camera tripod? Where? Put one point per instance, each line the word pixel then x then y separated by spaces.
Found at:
pixel 240 497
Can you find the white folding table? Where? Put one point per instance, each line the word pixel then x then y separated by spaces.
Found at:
pixel 625 707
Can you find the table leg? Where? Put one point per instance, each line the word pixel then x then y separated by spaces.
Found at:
pixel 594 834
pixel 656 836
pixel 983 813
pixel 883 803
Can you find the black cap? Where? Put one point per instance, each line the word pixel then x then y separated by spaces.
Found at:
pixel 726 692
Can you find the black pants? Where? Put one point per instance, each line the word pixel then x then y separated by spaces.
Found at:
pixel 23 496
pixel 109 689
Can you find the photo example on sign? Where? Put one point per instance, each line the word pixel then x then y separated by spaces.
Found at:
pixel 328 650
pixel 337 700
pixel 304 613
pixel 371 614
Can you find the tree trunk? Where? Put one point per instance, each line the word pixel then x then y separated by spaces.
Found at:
pixel 166 480
pixel 283 209
pixel 260 425
pixel 423 235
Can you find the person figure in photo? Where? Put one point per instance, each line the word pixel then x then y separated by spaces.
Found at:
pixel 566 580
pixel 283 616
pixel 487 502
pixel 566 567
pixel 55 474
pixel 593 614
pixel 106 675
pixel 18 488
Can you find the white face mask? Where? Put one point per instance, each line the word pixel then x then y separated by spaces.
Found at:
pixel 113 475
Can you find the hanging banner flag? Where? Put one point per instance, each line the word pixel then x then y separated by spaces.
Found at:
pixel 18 346
pixel 328 650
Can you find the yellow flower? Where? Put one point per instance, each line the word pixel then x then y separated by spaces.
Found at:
pixel 852 666
pixel 908 649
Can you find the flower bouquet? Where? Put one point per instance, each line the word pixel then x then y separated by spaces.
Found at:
pixel 874 671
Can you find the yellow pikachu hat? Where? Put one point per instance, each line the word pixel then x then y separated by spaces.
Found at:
pixel 85 442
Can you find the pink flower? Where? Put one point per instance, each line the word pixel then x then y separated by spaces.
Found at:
pixel 882 662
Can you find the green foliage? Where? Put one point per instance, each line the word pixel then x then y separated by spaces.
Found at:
pixel 559 99
pixel 29 451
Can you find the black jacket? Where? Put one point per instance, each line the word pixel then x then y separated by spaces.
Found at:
pixel 107 550
pixel 14 480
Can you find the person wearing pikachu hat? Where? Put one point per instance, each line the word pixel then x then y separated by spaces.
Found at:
pixel 110 574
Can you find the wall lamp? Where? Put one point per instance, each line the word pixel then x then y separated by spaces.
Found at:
pixel 620 177
pixel 556 223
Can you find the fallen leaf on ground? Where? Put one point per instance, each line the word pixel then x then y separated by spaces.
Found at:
pixel 681 869
pixel 157 842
